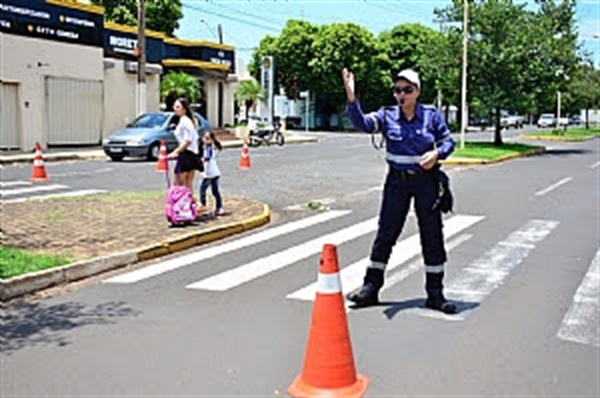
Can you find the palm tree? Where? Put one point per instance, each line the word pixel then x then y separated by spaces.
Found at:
pixel 249 92
pixel 179 84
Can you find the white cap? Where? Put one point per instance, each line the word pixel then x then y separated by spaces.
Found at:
pixel 411 76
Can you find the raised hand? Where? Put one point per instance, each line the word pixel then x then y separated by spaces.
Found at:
pixel 348 84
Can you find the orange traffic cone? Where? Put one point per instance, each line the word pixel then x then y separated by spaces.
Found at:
pixel 161 164
pixel 245 157
pixel 39 170
pixel 328 363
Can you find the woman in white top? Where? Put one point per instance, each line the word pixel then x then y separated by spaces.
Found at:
pixel 187 154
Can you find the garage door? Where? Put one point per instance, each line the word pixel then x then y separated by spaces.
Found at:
pixel 9 116
pixel 73 111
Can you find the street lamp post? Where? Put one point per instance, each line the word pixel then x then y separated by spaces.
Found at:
pixel 141 54
pixel 463 122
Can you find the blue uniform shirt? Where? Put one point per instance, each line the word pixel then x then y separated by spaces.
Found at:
pixel 406 141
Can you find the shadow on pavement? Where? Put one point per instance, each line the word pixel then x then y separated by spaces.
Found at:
pixel 27 324
pixel 394 307
pixel 565 152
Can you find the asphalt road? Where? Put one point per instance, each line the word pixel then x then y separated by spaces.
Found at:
pixel 232 318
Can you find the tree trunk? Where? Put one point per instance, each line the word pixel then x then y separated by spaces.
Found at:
pixel 170 101
pixel 498 130
pixel 587 118
pixel 248 104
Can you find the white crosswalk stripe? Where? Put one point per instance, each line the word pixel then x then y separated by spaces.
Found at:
pixel 403 251
pixel 274 262
pixel 581 324
pixel 487 273
pixel 40 188
pixel 178 262
pixel 23 191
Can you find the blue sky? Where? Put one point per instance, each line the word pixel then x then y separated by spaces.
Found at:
pixel 245 22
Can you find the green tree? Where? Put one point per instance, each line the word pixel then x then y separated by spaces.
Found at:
pixel 412 46
pixel 292 51
pixel 161 15
pixel 352 46
pixel 583 91
pixel 249 92
pixel 179 84
pixel 518 59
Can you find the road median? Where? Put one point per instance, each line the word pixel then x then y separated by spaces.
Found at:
pixel 482 153
pixel 120 247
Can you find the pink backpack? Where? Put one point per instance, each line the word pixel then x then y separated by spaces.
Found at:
pixel 180 207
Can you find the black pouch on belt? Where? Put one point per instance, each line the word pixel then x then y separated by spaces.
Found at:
pixel 445 200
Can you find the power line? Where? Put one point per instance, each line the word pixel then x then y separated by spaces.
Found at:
pixel 228 17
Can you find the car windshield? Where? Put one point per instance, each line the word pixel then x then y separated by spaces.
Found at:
pixel 150 120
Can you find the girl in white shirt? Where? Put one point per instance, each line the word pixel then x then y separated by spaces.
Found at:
pixel 187 154
pixel 212 172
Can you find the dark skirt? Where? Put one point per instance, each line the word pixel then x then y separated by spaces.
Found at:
pixel 188 161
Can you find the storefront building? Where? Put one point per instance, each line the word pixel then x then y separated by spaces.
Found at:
pixel 67 77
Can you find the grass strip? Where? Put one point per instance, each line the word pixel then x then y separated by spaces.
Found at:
pixel 489 151
pixel 14 262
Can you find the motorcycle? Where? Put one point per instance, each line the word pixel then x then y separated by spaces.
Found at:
pixel 265 134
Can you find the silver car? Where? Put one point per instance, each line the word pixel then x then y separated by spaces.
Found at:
pixel 141 138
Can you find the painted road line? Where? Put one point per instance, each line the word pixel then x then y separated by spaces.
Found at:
pixel 488 272
pixel 14 183
pixel 181 261
pixel 71 194
pixel 553 186
pixel 40 188
pixel 417 265
pixel 413 267
pixel 595 165
pixel 352 275
pixel 262 266
pixel 581 323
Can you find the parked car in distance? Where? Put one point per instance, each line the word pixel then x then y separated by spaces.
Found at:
pixel 546 120
pixel 563 122
pixel 575 120
pixel 141 138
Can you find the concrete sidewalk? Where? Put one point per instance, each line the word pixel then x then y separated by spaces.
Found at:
pixel 96 153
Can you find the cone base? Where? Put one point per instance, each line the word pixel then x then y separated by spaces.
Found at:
pixel 39 178
pixel 299 389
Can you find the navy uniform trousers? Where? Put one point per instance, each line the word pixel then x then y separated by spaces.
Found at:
pixel 400 188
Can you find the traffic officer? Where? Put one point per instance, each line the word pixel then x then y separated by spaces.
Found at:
pixel 416 137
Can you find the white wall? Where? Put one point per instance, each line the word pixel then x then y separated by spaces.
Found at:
pixel 120 95
pixel 28 60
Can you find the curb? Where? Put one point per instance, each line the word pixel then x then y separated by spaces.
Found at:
pixel 29 283
pixel 477 161
pixel 555 138
pixel 95 155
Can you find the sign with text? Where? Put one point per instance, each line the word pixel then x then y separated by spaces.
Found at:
pixel 118 44
pixel 52 22
pixel 266 80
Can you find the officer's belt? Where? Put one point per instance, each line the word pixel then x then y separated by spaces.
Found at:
pixel 402 159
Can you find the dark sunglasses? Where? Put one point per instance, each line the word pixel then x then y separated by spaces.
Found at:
pixel 407 89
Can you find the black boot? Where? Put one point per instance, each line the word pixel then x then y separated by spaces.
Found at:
pixel 368 294
pixel 435 296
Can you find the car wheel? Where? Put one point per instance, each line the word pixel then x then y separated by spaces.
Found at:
pixel 153 151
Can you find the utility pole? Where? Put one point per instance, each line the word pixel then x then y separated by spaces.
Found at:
pixel 441 21
pixel 463 121
pixel 220 27
pixel 141 54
